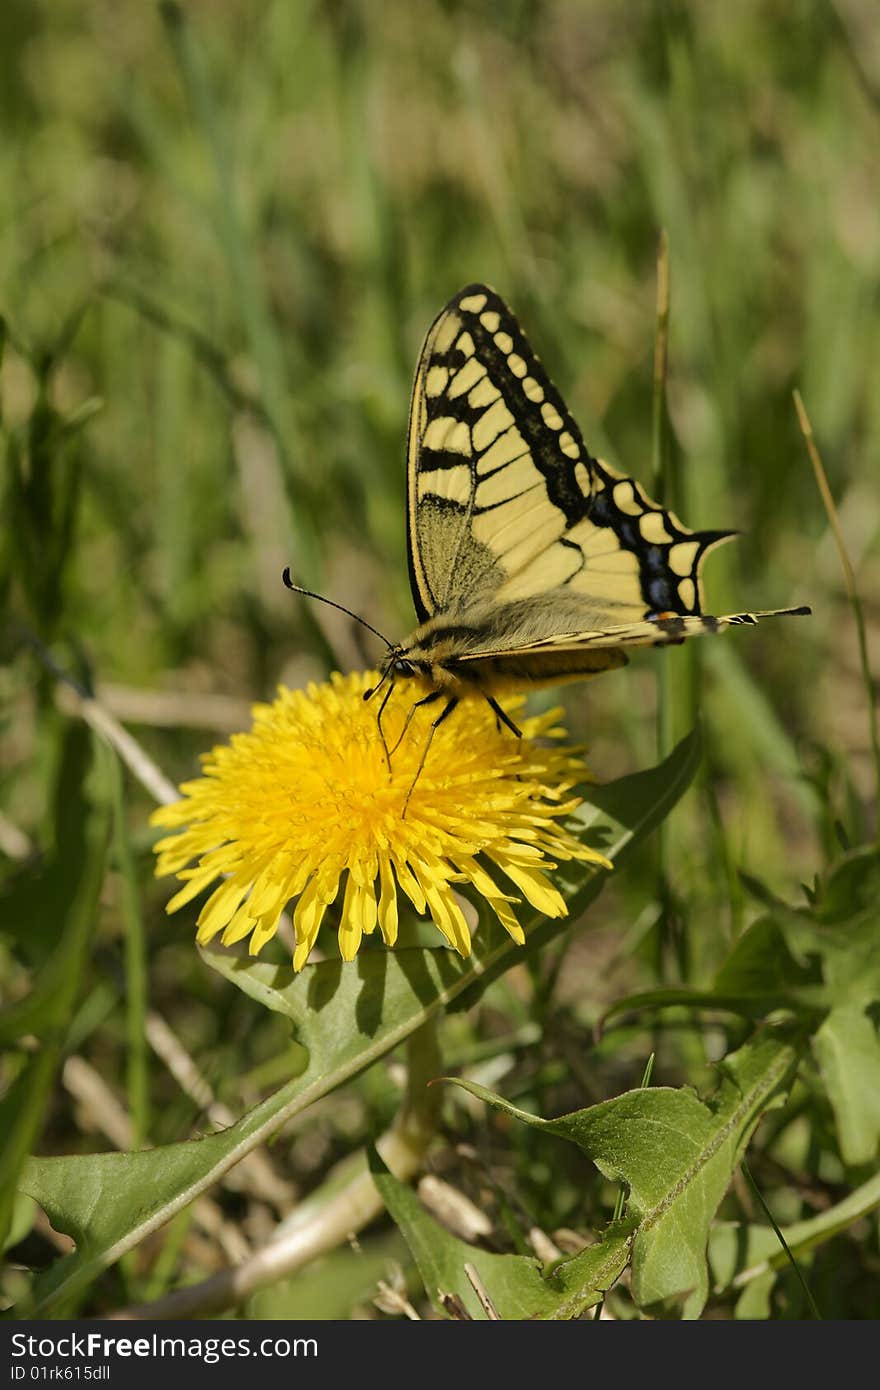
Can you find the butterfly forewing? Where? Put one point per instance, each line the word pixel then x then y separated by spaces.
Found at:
pixel 489 484
pixel 506 500
pixel 523 546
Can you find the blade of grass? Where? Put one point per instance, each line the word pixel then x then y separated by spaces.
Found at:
pixel 261 335
pixel 745 710
pixel 202 350
pixel 811 1302
pixel 667 676
pixel 661 358
pixel 23 1110
pixel 659 481
pixel 136 985
pixel 848 576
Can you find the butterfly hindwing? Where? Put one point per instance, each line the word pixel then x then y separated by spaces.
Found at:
pixel 565 649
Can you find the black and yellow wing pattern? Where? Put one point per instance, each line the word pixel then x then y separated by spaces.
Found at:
pixel 526 553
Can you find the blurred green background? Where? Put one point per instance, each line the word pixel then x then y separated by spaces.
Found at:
pixel 232 224
pixel 225 228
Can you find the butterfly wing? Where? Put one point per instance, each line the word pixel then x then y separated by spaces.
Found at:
pixel 569 655
pixel 504 498
pixel 479 441
pixel 519 540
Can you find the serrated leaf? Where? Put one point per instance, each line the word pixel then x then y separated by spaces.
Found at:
pixel 347 1016
pixel 676 1154
pixel 515 1284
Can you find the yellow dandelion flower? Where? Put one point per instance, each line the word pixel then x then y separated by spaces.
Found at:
pixel 303 809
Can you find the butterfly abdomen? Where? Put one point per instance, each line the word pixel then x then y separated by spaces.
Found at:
pixel 444 653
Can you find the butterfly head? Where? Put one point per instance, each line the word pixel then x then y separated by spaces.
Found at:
pixel 396 666
pixel 397 663
pixel 401 666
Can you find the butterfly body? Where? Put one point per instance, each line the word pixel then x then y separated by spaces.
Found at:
pixel 478 649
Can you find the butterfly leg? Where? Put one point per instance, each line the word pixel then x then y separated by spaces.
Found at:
pixel 444 714
pixel 385 699
pixel 501 717
pixel 425 700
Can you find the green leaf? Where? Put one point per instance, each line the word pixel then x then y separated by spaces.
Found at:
pixel 851 887
pixel 754 1303
pixel 346 1016
pixel 761 971
pixel 839 929
pixel 847 1050
pixel 677 1155
pixel 838 936
pixel 515 1283
pixel 760 974
pixel 21 1115
pixel 24 1213
pixel 822 962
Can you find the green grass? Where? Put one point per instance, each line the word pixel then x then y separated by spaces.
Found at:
pixel 224 229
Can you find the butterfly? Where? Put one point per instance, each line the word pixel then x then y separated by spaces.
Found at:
pixel 531 562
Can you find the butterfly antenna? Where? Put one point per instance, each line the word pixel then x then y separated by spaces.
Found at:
pixel 308 593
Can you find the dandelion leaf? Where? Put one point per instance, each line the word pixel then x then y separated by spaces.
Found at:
pixel 516 1285
pixel 346 1016
pixel 676 1155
